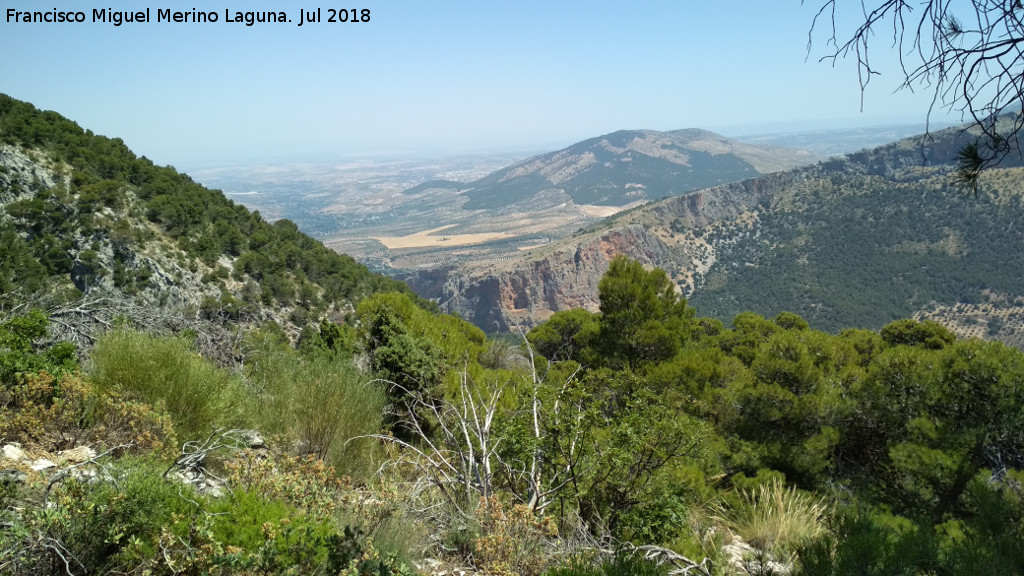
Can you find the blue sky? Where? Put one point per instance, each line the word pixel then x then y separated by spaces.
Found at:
pixel 432 76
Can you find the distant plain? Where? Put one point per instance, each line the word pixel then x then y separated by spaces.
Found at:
pixel 356 205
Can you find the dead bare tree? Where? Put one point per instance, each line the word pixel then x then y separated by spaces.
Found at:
pixel 541 489
pixel 459 459
pixel 191 464
pixel 82 321
pixel 462 457
pixel 970 54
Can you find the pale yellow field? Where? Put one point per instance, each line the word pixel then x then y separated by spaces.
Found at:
pixel 432 238
pixel 605 211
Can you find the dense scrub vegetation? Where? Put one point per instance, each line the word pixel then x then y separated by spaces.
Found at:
pixel 639 439
pixel 410 434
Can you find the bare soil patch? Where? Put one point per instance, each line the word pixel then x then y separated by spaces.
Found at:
pixel 605 211
pixel 433 237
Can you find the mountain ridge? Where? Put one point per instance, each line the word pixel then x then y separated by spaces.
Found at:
pixel 718 243
pixel 547 196
pixel 626 166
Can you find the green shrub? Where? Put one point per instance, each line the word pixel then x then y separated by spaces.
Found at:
pixel 107 525
pixel 658 519
pixel 268 530
pixel 18 353
pixel 145 523
pixel 166 371
pixel 319 401
pixel 926 334
pixel 352 553
pixel 870 544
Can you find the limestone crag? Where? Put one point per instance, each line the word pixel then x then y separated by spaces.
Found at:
pixel 713 205
pixel 500 300
pixel 24 174
pixel 21 172
pixel 527 291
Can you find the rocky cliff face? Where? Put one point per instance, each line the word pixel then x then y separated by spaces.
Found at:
pixel 712 205
pixel 533 290
pixel 692 236
pixel 564 276
pixel 24 174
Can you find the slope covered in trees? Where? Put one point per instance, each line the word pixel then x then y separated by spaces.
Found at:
pixel 83 211
pixel 857 250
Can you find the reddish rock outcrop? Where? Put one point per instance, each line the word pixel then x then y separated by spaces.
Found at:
pixel 527 291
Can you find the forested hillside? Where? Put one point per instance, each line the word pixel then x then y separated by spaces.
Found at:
pixel 83 215
pixel 356 431
pixel 858 250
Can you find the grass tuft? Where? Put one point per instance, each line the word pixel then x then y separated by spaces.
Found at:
pixel 777 519
pixel 166 371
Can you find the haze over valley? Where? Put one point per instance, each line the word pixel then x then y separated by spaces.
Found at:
pixel 386 210
pixel 506 240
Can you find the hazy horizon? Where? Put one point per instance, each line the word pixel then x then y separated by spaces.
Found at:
pixel 461 77
pixel 750 133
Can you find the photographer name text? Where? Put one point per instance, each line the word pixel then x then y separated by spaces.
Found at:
pixel 160 15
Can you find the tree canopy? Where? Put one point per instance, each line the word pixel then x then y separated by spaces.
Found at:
pixel 643 318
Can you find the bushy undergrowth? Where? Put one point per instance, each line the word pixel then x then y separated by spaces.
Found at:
pixel 17 351
pixel 58 413
pixel 137 521
pixel 988 538
pixel 511 540
pixel 166 371
pixel 321 402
